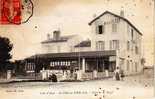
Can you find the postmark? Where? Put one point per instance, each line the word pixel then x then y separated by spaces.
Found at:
pixel 15 11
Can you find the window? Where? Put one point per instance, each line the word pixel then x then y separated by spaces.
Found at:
pixel 51 63
pixel 100 66
pixel 100 45
pixel 132 66
pixel 136 64
pixel 30 66
pixel 100 29
pixel 55 63
pixel 66 63
pixel 128 29
pixel 132 34
pixel 136 49
pixel 114 44
pixel 128 65
pixel 128 45
pixel 61 63
pixel 58 63
pixel 114 27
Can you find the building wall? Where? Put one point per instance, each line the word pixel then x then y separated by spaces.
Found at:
pixel 72 42
pixel 108 35
pixel 60 47
pixel 124 35
pixel 82 49
pixel 55 47
pixel 126 58
pixel 131 55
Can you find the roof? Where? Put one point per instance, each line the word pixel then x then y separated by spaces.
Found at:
pixel 126 20
pixel 86 43
pixel 61 39
pixel 76 54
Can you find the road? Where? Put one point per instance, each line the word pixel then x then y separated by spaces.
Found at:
pixel 134 87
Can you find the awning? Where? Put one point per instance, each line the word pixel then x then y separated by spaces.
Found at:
pixel 88 54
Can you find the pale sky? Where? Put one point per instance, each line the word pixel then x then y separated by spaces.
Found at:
pixel 72 17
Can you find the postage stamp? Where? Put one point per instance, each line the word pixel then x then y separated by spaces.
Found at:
pixel 15 11
pixel 10 11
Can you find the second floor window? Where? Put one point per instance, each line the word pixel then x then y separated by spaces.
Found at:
pixel 100 29
pixel 100 45
pixel 114 27
pixel 136 65
pixel 128 45
pixel 136 50
pixel 132 34
pixel 128 65
pixel 114 44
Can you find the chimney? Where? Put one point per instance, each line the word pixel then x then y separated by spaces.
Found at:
pixel 48 36
pixel 56 34
pixel 122 13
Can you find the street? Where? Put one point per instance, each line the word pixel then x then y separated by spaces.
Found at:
pixel 133 87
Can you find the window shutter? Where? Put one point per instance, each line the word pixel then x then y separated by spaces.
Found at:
pixel 110 45
pixel 96 30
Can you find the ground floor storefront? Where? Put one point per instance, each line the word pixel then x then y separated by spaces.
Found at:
pixel 75 65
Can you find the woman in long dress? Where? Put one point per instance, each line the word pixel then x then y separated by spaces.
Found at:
pixel 117 74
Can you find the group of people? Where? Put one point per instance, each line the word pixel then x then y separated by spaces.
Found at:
pixel 53 77
pixel 119 74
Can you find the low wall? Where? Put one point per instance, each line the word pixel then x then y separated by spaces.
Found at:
pixel 100 75
pixel 87 76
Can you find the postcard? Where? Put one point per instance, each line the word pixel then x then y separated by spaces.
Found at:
pixel 77 49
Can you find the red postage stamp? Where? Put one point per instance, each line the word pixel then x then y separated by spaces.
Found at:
pixel 10 12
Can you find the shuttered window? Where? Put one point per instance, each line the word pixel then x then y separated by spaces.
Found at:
pixel 114 44
pixel 114 27
pixel 100 29
pixel 100 45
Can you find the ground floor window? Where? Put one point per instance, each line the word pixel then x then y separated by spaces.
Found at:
pixel 112 66
pixel 100 66
pixel 90 65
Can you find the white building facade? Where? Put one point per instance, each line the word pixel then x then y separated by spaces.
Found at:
pixel 115 42
pixel 56 43
pixel 112 32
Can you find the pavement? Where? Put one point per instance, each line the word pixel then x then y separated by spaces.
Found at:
pixel 5 81
pixel 133 87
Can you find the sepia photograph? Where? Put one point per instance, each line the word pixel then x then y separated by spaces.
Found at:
pixel 77 49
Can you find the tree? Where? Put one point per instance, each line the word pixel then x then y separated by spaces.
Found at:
pixel 18 66
pixel 5 56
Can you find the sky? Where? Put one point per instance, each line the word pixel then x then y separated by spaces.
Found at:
pixel 72 17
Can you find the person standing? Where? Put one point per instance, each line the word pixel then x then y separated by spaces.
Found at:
pixel 122 74
pixel 117 74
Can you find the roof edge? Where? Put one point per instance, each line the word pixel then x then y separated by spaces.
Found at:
pixel 118 17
